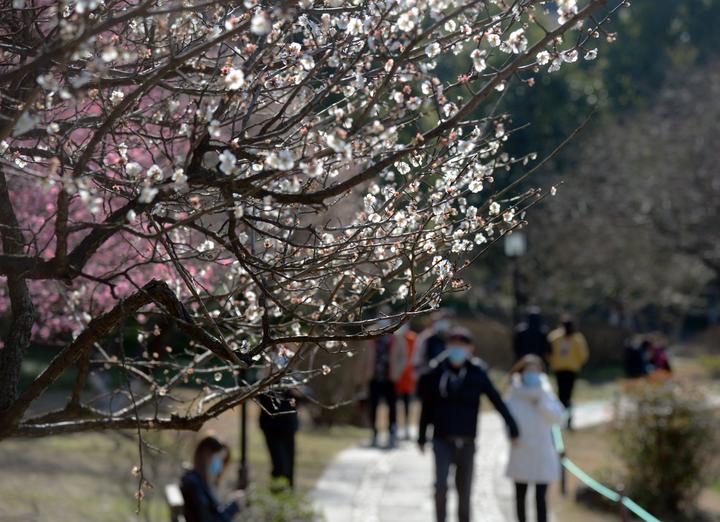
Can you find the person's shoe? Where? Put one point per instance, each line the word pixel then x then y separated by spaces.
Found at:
pixel 374 441
pixel 392 440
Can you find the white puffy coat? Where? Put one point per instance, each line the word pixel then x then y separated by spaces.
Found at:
pixel 533 458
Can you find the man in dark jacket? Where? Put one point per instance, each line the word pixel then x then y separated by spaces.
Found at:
pixel 531 337
pixel 450 393
pixel 279 424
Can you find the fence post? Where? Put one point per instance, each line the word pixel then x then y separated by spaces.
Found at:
pixel 624 514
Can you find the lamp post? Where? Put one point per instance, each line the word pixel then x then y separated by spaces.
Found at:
pixel 515 248
pixel 243 475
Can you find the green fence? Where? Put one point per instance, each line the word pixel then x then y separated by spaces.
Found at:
pixel 596 486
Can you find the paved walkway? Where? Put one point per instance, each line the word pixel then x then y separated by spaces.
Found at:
pixel 376 485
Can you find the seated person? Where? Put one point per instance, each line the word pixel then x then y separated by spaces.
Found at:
pixel 198 484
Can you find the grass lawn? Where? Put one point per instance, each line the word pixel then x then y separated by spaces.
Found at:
pixel 78 477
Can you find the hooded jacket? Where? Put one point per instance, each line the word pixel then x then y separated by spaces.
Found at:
pixel 533 458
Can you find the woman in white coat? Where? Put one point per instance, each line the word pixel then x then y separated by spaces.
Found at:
pixel 533 459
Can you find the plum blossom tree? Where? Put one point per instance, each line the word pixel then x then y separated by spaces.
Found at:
pixel 255 175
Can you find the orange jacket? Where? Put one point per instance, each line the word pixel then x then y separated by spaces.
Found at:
pixel 406 381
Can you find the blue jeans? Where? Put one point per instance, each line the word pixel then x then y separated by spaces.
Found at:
pixel 460 453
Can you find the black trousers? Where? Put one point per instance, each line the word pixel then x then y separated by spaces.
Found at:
pixel 281 445
pixel 383 390
pixel 405 400
pixel 565 384
pixel 459 453
pixel 540 501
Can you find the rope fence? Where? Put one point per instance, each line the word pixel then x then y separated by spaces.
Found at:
pixel 626 504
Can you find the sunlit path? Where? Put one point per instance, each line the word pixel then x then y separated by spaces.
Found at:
pixel 376 485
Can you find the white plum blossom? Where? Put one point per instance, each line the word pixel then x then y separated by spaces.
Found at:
pixel 338 145
pixel 282 160
pixel 260 24
pixel 147 195
pixel 432 50
pixel 566 9
pixel 405 22
pixel 516 42
pixel 116 96
pixel 555 65
pixel 179 179
pixel 354 26
pixel 227 162
pixel 478 58
pixel 214 128
pixel 475 186
pixel 494 208
pixel 133 169
pixel 154 174
pixel 109 54
pixel 312 169
pixel 493 39
pixel 235 79
pixel 591 54
pixel 543 58
pixel 570 56
pixel 307 62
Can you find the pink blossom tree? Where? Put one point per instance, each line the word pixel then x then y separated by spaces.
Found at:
pixel 254 175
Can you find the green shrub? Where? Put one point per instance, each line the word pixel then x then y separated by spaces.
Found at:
pixel 711 363
pixel 279 504
pixel 667 440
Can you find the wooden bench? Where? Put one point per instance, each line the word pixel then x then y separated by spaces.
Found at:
pixel 175 502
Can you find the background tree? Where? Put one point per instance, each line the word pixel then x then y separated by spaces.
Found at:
pixel 638 225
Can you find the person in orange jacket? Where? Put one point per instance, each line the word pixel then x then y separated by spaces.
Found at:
pixel 405 385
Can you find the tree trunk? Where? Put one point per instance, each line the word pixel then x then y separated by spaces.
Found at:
pixel 23 312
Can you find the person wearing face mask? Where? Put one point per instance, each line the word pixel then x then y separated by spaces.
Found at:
pixel 450 393
pixel 569 354
pixel 430 342
pixel 533 459
pixel 198 485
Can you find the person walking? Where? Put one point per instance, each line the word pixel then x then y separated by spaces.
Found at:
pixel 569 354
pixel 533 458
pixel 198 485
pixel 279 424
pixel 531 336
pixel 388 361
pixel 450 393
pixel 279 420
pixel 430 342
pixel 405 385
pixel 635 360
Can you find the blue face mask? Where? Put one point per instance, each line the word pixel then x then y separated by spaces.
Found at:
pixel 531 379
pixel 216 466
pixel 457 355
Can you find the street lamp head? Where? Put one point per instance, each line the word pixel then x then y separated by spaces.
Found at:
pixel 515 244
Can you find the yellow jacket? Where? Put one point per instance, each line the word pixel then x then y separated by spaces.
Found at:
pixel 568 353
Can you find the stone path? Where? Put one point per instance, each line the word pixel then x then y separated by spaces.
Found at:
pixel 375 485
